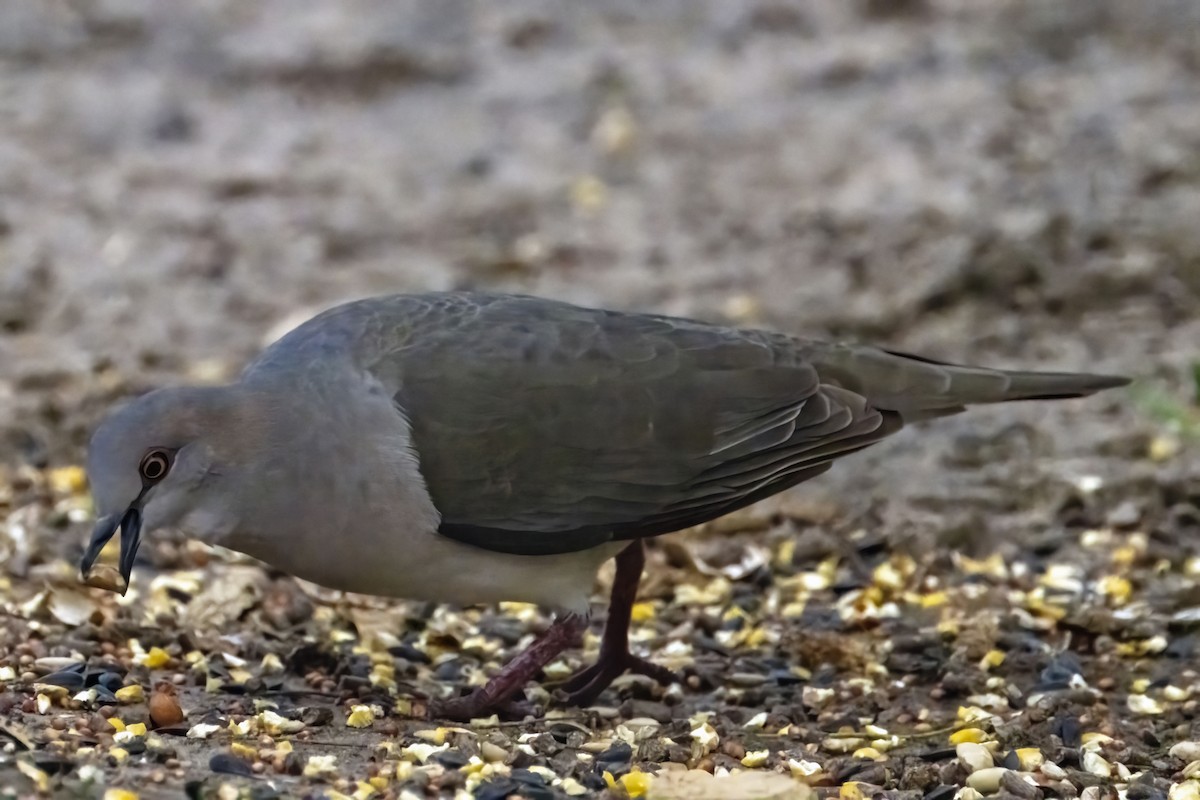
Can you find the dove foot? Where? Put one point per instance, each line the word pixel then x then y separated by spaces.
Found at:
pixel 586 685
pixel 499 694
pixel 615 659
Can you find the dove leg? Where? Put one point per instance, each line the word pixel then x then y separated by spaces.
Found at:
pixel 615 659
pixel 496 696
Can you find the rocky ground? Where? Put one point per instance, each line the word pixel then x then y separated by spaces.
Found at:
pixel 1007 600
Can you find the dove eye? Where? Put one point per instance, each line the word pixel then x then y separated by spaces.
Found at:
pixel 155 465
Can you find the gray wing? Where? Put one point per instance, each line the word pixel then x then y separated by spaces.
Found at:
pixel 544 428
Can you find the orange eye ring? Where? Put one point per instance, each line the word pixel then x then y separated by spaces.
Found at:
pixel 155 465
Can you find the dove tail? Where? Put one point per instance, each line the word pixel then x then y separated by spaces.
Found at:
pixel 921 388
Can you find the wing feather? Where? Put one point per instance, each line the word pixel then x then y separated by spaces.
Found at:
pixel 546 428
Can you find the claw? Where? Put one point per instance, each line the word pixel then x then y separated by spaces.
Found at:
pixel 585 686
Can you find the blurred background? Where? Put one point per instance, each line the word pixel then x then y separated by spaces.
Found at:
pixel 1007 182
pixel 1011 182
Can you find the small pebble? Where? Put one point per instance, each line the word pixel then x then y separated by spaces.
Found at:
pixel 733 749
pixel 1029 758
pixel 492 752
pixel 975 756
pixel 131 694
pixel 164 706
pixel 1053 771
pixel 58 663
pixel 987 780
pixel 225 763
pixel 1186 751
pixel 1014 783
pixel 975 735
pixel 1096 764
pixel 747 679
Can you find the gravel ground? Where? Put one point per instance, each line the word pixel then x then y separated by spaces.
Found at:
pixel 1007 600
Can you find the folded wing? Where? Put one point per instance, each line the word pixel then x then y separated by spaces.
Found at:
pixel 547 428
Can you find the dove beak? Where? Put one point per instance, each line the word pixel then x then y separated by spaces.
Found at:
pixel 130 525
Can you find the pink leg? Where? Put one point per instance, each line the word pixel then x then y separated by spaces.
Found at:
pixel 496 695
pixel 615 659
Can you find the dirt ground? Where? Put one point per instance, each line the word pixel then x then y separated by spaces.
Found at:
pixel 1010 182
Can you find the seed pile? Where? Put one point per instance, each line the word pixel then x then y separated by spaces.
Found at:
pixel 862 671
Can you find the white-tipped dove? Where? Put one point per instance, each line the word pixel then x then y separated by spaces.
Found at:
pixel 474 448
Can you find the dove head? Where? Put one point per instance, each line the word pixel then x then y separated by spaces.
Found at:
pixel 163 460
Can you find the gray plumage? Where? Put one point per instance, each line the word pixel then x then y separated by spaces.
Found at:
pixel 472 448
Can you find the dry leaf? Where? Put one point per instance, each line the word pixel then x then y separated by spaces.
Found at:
pixel 234 589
